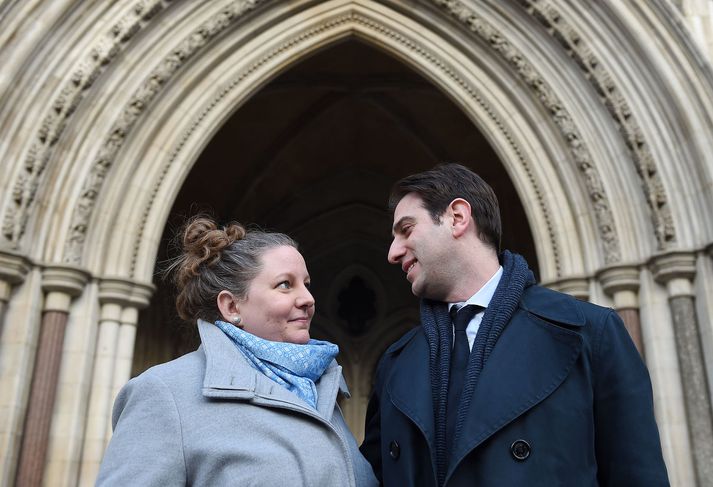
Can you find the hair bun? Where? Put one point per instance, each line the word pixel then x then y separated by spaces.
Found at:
pixel 203 243
pixel 234 231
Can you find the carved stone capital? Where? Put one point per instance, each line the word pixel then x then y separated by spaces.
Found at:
pixel 574 286
pixel 61 283
pixel 141 295
pixel 69 280
pixel 673 265
pixel 621 283
pixel 676 271
pixel 619 278
pixel 125 292
pixel 115 291
pixel 13 267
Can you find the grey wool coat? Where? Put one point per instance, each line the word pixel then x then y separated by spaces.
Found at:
pixel 209 418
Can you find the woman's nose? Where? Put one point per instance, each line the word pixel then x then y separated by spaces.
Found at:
pixel 306 299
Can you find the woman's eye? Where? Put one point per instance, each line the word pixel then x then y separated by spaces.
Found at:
pixel 308 284
pixel 284 285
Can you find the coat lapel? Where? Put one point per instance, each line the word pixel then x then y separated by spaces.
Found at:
pixel 409 386
pixel 228 375
pixel 530 360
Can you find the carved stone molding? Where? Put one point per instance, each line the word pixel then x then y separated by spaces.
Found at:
pixel 558 113
pixel 13 267
pixel 622 283
pixel 65 279
pixel 673 265
pixel 60 284
pixel 577 48
pixel 99 56
pixel 125 292
pixel 437 65
pixel 619 278
pixel 574 286
pixel 137 105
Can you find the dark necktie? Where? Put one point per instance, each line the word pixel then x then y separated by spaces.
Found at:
pixel 459 362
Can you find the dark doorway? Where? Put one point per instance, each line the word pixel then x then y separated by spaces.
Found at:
pixel 313 154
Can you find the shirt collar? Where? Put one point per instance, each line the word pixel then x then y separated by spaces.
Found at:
pixel 483 296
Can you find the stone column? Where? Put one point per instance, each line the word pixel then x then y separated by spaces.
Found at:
pixel 676 270
pixel 60 284
pixel 622 284
pixel 13 268
pixel 120 301
pixel 140 297
pixel 17 343
pixel 113 295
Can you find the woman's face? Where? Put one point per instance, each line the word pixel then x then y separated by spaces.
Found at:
pixel 279 306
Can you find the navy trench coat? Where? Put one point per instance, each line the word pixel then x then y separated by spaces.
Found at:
pixel 563 400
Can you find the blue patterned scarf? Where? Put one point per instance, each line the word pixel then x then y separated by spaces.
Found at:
pixel 294 366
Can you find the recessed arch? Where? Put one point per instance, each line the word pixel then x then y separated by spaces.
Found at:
pixel 534 177
pixel 600 114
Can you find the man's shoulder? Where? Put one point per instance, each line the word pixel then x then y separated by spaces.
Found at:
pixel 560 307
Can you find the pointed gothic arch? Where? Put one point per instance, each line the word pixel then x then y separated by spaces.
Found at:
pixel 603 133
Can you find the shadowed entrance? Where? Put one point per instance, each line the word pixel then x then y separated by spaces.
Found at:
pixel 314 154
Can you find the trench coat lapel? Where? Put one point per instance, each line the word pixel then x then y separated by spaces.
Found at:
pixel 530 360
pixel 409 387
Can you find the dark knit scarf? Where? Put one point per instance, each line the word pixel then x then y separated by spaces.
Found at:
pixel 438 328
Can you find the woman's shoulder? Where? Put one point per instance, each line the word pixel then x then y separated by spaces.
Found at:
pixel 179 373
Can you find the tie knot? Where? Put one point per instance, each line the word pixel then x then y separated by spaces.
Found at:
pixel 461 316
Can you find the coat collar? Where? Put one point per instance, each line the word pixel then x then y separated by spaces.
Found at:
pixel 552 306
pixel 228 375
pixel 532 357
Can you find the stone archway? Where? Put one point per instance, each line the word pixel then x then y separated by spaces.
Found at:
pixel 599 116
pixel 314 154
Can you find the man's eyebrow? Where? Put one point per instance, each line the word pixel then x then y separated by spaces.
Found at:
pixel 398 226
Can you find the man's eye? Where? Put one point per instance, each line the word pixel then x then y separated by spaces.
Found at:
pixel 284 285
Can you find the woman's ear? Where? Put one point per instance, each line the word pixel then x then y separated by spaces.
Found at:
pixel 228 306
pixel 461 217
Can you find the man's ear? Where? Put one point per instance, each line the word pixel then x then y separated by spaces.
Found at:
pixel 228 306
pixel 461 217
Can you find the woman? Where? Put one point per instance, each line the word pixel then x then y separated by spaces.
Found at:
pixel 256 403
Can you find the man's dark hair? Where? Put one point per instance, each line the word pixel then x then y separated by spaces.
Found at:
pixel 446 182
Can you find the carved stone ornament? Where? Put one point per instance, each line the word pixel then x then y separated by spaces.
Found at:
pixel 577 48
pixel 673 265
pixel 619 278
pixel 561 117
pixel 13 267
pixel 103 53
pixel 137 105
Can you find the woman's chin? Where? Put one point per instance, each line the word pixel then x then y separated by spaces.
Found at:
pixel 299 338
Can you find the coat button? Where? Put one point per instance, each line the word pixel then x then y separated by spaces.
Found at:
pixel 394 450
pixel 520 450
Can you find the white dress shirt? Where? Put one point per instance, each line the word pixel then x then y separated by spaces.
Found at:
pixel 481 298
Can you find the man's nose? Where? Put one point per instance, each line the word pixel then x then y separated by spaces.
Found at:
pixel 396 251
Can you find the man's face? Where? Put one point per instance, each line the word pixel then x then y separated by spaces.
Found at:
pixel 422 247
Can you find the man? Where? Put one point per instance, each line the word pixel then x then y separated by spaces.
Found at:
pixel 527 387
